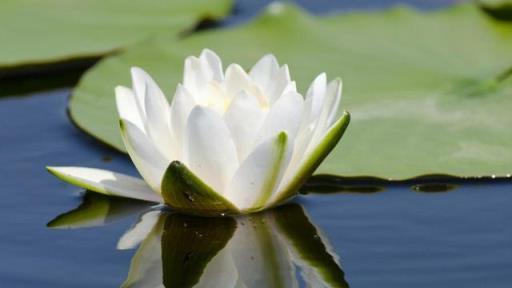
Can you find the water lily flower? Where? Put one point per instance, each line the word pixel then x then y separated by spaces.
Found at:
pixel 230 142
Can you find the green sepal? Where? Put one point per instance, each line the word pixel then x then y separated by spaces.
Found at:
pixel 280 146
pixel 331 138
pixel 185 192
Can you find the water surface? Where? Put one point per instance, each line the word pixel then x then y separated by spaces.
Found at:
pixel 455 235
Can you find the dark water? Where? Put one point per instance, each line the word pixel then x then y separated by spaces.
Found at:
pixel 456 235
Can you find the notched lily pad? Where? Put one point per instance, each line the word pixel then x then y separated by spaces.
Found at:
pixel 429 93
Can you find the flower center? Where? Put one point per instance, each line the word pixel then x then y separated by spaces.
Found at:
pixel 219 99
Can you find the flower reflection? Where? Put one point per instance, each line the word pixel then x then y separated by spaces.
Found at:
pixel 277 248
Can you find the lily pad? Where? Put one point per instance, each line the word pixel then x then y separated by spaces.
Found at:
pixel 35 32
pixel 429 93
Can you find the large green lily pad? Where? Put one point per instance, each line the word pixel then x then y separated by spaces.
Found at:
pixel 44 31
pixel 429 93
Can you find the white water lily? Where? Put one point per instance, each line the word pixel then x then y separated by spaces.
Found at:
pixel 230 142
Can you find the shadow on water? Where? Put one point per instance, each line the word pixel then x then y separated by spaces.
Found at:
pixel 324 184
pixel 30 79
pixel 276 248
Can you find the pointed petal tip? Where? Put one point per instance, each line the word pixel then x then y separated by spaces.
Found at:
pixel 346 115
pixel 319 83
pixel 120 89
pixel 207 51
pixel 338 80
pixel 176 164
pixel 121 92
pixel 54 170
pixel 282 137
pixel 57 225
pixel 268 57
pixel 235 67
pixel 191 58
pixel 136 70
pixel 51 170
pixel 122 125
pixel 271 57
pixel 136 73
pixel 52 224
pixel 60 172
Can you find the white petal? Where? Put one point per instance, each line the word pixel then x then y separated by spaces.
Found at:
pixel 257 177
pixel 284 115
pixel 309 160
pixel 150 163
pixel 182 104
pixel 139 77
pixel 312 107
pixel 217 99
pixel 244 117
pixel 237 79
pixel 312 134
pixel 127 106
pixel 158 118
pixel 139 232
pixel 335 88
pixel 195 76
pixel 328 111
pixel 214 63
pixel 106 182
pixel 261 73
pixel 290 87
pixel 302 142
pixel 201 71
pixel 280 81
pixel 210 153
pixel 316 93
